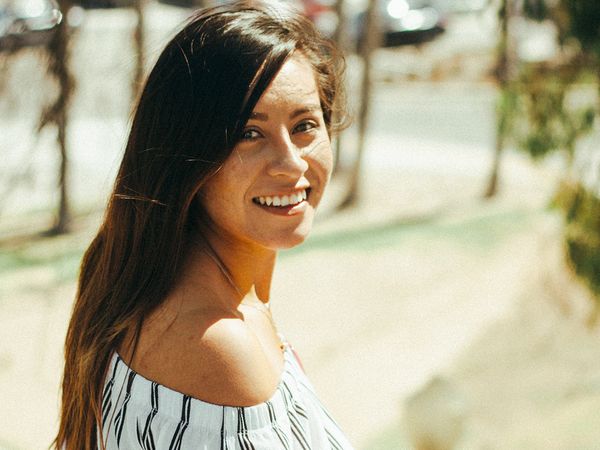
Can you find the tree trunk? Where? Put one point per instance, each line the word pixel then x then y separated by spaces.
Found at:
pixel 340 38
pixel 492 184
pixel 341 32
pixel 372 41
pixel 57 113
pixel 502 75
pixel 64 207
pixel 139 38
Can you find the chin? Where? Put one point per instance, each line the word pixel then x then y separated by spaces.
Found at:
pixel 290 239
pixel 293 242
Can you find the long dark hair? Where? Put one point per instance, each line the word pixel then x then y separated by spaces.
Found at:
pixel 190 114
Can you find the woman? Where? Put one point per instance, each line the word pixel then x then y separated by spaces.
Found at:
pixel 171 344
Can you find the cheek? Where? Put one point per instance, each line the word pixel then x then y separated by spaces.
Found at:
pixel 225 183
pixel 217 195
pixel 322 162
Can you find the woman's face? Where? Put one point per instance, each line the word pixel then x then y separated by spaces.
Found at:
pixel 268 189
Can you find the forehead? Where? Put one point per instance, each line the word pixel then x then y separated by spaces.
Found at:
pixel 294 83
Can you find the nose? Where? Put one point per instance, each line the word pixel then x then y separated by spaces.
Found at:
pixel 287 159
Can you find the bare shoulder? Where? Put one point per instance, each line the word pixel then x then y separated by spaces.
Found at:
pixel 234 365
pixel 220 362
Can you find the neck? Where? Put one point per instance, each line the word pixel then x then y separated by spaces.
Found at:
pixel 231 271
pixel 247 270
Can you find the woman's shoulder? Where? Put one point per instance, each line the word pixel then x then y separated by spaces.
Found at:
pixel 235 368
pixel 220 362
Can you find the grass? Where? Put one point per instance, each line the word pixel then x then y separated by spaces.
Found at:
pixel 478 233
pixel 63 259
pixel 390 438
pixel 61 255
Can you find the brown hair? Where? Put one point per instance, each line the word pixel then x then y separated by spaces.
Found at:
pixel 190 114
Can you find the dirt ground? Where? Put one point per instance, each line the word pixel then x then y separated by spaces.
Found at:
pixel 534 375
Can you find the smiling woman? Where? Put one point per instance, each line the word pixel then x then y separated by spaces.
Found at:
pixel 172 344
pixel 283 158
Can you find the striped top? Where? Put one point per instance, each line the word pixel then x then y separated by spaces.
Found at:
pixel 140 414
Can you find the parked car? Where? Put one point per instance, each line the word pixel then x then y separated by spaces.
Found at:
pixel 98 4
pixel 27 23
pixel 185 3
pixel 402 21
pixel 203 3
pixel 412 21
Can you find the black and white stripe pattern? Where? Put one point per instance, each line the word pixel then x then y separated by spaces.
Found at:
pixel 145 436
pixel 280 434
pixel 224 445
pixel 107 394
pixel 242 431
pixel 120 418
pixel 335 444
pixel 149 416
pixel 331 427
pixel 296 414
pixel 183 424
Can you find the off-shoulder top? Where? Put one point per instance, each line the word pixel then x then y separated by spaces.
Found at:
pixel 138 413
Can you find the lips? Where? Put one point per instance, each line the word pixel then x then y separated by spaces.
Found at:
pixel 283 201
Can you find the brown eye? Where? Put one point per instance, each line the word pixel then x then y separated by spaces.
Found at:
pixel 305 126
pixel 250 134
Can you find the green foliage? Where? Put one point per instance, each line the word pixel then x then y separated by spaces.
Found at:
pixel 507 110
pixel 548 107
pixel 582 231
pixel 577 20
pixel 536 9
pixel 584 23
pixel 535 112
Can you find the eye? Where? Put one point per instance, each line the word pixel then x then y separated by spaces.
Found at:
pixel 305 125
pixel 250 134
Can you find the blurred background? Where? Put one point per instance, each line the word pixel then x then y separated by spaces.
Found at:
pixel 448 296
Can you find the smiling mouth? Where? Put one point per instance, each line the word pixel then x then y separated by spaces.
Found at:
pixel 283 201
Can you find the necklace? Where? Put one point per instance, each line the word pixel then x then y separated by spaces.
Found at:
pixel 265 308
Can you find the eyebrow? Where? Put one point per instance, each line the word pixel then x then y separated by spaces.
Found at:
pixel 305 109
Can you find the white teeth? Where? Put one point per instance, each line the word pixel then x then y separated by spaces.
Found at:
pixel 285 200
